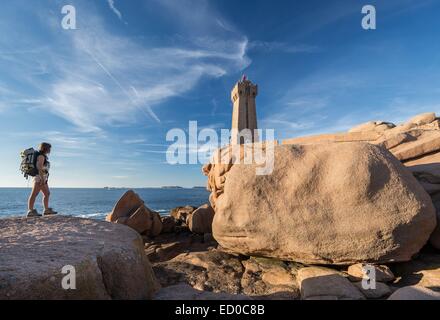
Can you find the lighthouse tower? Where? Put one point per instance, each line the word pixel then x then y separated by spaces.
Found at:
pixel 244 113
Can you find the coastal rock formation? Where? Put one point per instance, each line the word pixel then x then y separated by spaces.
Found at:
pixel 184 260
pixel 131 211
pixel 109 260
pixel 318 199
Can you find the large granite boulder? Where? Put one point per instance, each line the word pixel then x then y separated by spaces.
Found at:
pixel 329 203
pixel 109 260
pixel 126 206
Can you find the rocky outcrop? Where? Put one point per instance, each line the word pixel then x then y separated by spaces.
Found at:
pixel 130 210
pixel 108 259
pixel 319 198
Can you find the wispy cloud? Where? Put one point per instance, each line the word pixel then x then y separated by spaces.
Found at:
pixel 116 11
pixel 120 177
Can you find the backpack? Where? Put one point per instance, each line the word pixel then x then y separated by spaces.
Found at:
pixel 28 166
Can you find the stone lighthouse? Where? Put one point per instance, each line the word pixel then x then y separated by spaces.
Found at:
pixel 244 113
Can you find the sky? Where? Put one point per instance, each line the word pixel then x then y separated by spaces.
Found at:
pixel 107 93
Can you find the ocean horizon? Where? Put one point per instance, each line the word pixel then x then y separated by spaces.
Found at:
pixel 96 203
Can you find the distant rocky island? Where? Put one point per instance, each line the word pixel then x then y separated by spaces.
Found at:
pixel 172 187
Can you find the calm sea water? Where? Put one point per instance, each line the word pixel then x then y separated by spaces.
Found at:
pixel 96 203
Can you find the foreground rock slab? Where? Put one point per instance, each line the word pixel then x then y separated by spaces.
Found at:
pixel 109 260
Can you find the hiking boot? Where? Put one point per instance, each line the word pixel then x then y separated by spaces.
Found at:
pixel 49 212
pixel 33 213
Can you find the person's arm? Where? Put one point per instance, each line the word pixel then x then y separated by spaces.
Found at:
pixel 40 167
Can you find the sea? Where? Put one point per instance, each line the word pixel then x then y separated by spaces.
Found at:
pixel 97 203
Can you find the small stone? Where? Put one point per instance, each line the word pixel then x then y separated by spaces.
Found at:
pixel 357 272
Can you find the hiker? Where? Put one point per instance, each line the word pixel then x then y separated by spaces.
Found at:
pixel 40 181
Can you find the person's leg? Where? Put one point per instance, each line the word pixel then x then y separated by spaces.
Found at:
pixel 35 191
pixel 46 195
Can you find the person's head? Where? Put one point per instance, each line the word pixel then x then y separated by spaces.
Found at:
pixel 44 148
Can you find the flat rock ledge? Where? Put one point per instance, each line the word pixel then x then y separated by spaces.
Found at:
pixel 109 260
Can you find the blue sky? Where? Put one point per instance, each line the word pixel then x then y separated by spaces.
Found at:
pixel 106 94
